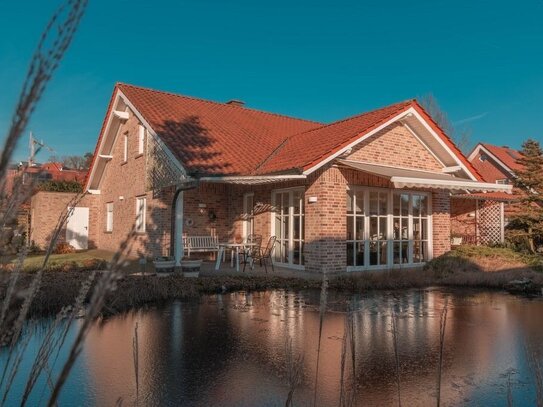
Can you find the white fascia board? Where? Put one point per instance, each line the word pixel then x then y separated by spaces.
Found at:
pixel 122 115
pixel 474 152
pixel 252 179
pixel 454 168
pixel 355 142
pixel 400 182
pixel 440 141
pixel 106 132
pixel 152 132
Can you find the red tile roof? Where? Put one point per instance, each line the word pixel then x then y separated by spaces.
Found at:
pixel 506 155
pixel 302 151
pixel 227 139
pixel 213 138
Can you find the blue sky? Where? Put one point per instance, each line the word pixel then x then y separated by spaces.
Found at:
pixel 482 60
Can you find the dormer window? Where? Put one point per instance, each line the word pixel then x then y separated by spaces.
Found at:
pixel 503 181
pixel 483 157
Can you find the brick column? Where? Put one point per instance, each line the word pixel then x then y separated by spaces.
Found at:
pixel 325 222
pixel 441 218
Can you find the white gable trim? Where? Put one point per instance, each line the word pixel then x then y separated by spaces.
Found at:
pixel 445 146
pixel 354 143
pixel 410 130
pixel 480 147
pixel 122 116
pixel 409 112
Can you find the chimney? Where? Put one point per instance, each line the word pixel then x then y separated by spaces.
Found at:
pixel 236 102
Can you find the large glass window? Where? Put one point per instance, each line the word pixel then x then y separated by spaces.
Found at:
pixel 289 226
pixel 386 228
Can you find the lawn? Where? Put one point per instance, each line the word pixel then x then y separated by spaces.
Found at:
pixel 34 261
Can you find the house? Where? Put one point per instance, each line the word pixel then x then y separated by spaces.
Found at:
pixel 481 218
pixel 372 191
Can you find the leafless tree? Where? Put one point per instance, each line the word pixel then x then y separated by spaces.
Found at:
pixel 461 137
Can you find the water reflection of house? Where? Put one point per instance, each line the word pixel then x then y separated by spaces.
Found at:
pixel 230 350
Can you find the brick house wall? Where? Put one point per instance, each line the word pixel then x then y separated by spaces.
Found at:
pixel 441 222
pixel 395 145
pixel 123 182
pixel 46 208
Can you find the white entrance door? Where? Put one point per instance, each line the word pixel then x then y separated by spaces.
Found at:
pixel 77 228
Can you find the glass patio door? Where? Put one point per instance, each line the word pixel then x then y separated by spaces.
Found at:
pixel 288 227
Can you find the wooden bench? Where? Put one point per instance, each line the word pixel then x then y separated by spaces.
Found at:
pixel 200 244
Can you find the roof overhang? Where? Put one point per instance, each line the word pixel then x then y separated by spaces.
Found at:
pixel 252 180
pixel 410 178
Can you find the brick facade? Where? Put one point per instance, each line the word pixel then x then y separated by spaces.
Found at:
pixel 46 208
pixel 395 145
pixel 441 221
pixel 217 209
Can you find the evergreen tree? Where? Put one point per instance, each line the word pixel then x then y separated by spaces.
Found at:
pixel 528 222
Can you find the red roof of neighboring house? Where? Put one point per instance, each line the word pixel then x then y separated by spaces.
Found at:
pixel 213 138
pixel 52 167
pixel 506 155
pixel 228 139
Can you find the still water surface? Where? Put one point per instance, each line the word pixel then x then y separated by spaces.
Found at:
pixel 229 350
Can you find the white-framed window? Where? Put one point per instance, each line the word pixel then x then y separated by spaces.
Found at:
pixel 248 214
pixel 141 138
pixel 288 217
pixel 109 217
pixel 387 228
pixel 503 181
pixel 140 214
pixel 125 147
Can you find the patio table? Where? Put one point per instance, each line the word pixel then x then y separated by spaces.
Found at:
pixel 234 249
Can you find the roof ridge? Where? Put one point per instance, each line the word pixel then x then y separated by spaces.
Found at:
pixel 199 99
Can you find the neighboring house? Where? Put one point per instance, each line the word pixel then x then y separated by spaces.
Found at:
pixel 372 191
pixel 481 218
pixel 22 175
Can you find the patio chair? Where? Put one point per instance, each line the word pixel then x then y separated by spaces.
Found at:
pixel 263 255
pixel 253 250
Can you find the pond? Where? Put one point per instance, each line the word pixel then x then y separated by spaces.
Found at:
pixel 232 350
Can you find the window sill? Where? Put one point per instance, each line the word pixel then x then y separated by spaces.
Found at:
pixel 124 163
pixel 139 156
pixel 108 232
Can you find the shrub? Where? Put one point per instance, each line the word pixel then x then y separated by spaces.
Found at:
pixel 61 186
pixel 64 248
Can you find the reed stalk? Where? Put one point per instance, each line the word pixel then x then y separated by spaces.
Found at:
pixel 135 356
pixel 322 311
pixel 442 327
pixel 294 369
pixel 396 356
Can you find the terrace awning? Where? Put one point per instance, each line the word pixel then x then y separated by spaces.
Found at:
pixel 408 178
